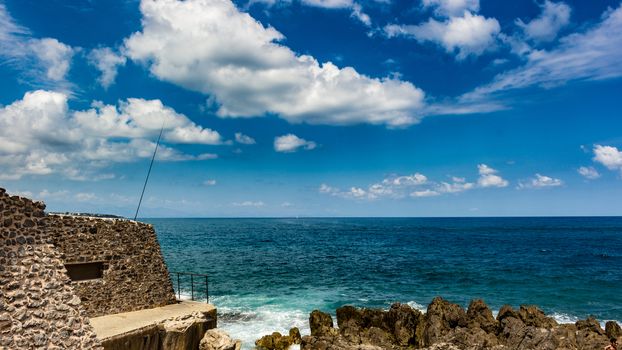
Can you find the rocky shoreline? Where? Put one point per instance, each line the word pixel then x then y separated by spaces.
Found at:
pixel 444 326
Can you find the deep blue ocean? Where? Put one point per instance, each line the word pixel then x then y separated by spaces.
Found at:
pixel 266 275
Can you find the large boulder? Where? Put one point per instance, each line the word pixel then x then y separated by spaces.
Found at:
pixel 321 324
pixel 441 317
pixel 590 324
pixel 350 322
pixel 480 316
pixel 294 334
pixel 217 339
pixel 565 336
pixel 533 316
pixel 472 338
pixel 613 330
pixel 512 330
pixel 274 341
pixel 590 335
pixel 406 324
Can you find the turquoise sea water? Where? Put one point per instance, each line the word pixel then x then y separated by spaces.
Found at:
pixel 267 274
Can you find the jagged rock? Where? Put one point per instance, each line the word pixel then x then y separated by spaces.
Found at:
pixel 447 326
pixel 377 337
pixel 321 323
pixel 275 341
pixel 472 338
pixel 506 311
pixel 349 321
pixel 512 328
pixel 533 316
pixel 294 333
pixel 480 316
pixel 591 324
pixel 348 314
pixel 216 339
pixel 441 317
pixel 565 337
pixel 613 329
pixel 407 325
pixel 590 335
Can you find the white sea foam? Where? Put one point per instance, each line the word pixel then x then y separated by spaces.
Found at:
pixel 262 321
pixel 250 318
pixel 563 318
pixel 415 305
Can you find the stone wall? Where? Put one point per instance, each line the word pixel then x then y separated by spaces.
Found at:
pixel 134 277
pixel 38 306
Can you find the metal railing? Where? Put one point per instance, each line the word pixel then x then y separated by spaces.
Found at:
pixel 198 284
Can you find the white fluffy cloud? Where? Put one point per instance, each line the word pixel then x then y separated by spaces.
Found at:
pixel 357 12
pixel 406 180
pixel 42 59
pixel 488 177
pixel 608 156
pixel 137 117
pixel 540 181
pixel 544 28
pixel 211 47
pixel 244 139
pixel 107 62
pixel 291 143
pixel 352 193
pixel 53 55
pixel 466 35
pixel 452 7
pixel 417 185
pixel 589 173
pixel 425 193
pixel 456 186
pixel 591 55
pixel 39 135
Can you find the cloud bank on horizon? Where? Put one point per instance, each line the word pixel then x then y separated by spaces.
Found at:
pixel 246 70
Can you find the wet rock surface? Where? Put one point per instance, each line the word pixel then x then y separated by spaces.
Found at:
pixel 447 326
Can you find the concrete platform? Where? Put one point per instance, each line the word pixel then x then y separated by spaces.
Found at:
pixel 112 326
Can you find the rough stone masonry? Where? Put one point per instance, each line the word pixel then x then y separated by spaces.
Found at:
pixel 134 275
pixel 40 306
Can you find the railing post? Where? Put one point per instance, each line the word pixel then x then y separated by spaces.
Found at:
pixel 205 276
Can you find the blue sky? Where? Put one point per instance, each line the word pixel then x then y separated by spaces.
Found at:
pixel 314 107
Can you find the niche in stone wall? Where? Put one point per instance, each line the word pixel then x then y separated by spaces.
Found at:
pixel 85 271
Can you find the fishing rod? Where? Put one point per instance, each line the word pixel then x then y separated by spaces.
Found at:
pixel 149 171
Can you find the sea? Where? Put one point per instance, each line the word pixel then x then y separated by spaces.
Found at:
pixel 267 275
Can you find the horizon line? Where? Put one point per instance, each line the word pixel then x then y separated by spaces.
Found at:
pixel 384 217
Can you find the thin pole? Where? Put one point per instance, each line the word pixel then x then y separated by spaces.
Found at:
pixel 149 172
